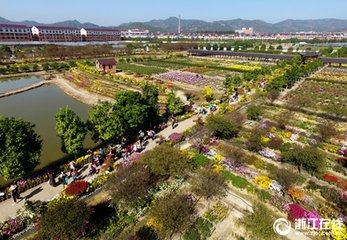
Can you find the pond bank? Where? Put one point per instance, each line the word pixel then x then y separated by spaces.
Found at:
pixel 78 93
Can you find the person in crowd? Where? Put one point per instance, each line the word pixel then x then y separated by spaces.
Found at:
pixel 51 176
pixel 92 170
pixel 173 121
pixel 74 175
pixel 126 153
pixel 62 177
pixel 72 166
pixel 141 136
pixel 211 106
pixel 102 152
pixel 14 192
pixel 91 156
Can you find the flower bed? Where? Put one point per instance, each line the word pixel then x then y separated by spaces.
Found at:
pixel 191 78
pixel 76 188
pixel 269 153
pixel 263 181
pixel 175 138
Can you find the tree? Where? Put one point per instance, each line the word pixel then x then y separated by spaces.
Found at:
pixel 207 183
pixel 327 130
pixel 35 68
pixel 103 123
pixel 174 104
pixel 260 223
pixel 165 160
pixel 174 213
pixel 285 177
pixel 254 112
pixel 132 113
pixel 279 47
pixel 129 185
pixel 71 130
pixel 308 157
pixel 20 147
pixel 150 95
pixel 222 127
pixel 207 93
pixel 67 220
pixel 254 142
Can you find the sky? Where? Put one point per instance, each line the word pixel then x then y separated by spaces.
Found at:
pixel 115 12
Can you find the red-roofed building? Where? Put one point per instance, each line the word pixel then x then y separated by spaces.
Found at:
pixel 106 65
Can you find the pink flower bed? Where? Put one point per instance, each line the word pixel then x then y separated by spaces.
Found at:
pixel 297 212
pixel 176 137
pixel 239 168
pixel 184 77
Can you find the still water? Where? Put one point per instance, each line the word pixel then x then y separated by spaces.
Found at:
pixel 8 85
pixel 39 106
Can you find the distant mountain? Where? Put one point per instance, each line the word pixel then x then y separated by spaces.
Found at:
pixel 192 25
pixel 69 23
pixel 318 25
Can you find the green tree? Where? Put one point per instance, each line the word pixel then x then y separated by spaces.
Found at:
pixel 71 130
pixel 103 123
pixel 254 142
pixel 67 220
pixel 207 183
pixel 20 147
pixel 309 157
pixel 174 104
pixel 207 93
pixel 174 213
pixel 254 112
pixel 279 47
pixel 259 226
pixel 132 112
pixel 150 95
pixel 222 127
pixel 165 160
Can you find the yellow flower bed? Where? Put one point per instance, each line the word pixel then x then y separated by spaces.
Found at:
pixel 330 148
pixel 337 232
pixel 218 158
pixel 273 129
pixel 262 181
pixel 265 139
pixel 244 67
pixel 152 223
pixel 218 168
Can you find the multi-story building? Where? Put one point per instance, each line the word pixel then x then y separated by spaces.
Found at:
pixel 19 33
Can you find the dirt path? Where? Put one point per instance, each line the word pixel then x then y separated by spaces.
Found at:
pixel 78 93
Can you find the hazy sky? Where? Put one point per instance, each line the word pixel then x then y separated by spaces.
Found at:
pixel 110 13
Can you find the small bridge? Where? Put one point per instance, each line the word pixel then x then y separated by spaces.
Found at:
pixel 28 88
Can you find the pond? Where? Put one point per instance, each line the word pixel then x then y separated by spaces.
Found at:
pixel 39 107
pixel 7 85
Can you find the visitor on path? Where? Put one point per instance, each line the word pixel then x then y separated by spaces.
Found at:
pixel 138 146
pixel 92 170
pixel 91 156
pixel 173 121
pixel 141 136
pixel 14 192
pixel 51 177
pixel 102 152
pixel 211 106
pixel 62 179
pixel 72 166
pixel 74 175
pixel 151 134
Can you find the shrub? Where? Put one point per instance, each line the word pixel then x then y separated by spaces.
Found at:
pixel 76 188
pixel 67 220
pixel 220 126
pixel 254 112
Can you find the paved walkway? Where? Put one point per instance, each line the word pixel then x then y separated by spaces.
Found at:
pixel 45 192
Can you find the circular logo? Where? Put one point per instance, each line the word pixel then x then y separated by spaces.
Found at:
pixel 282 226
